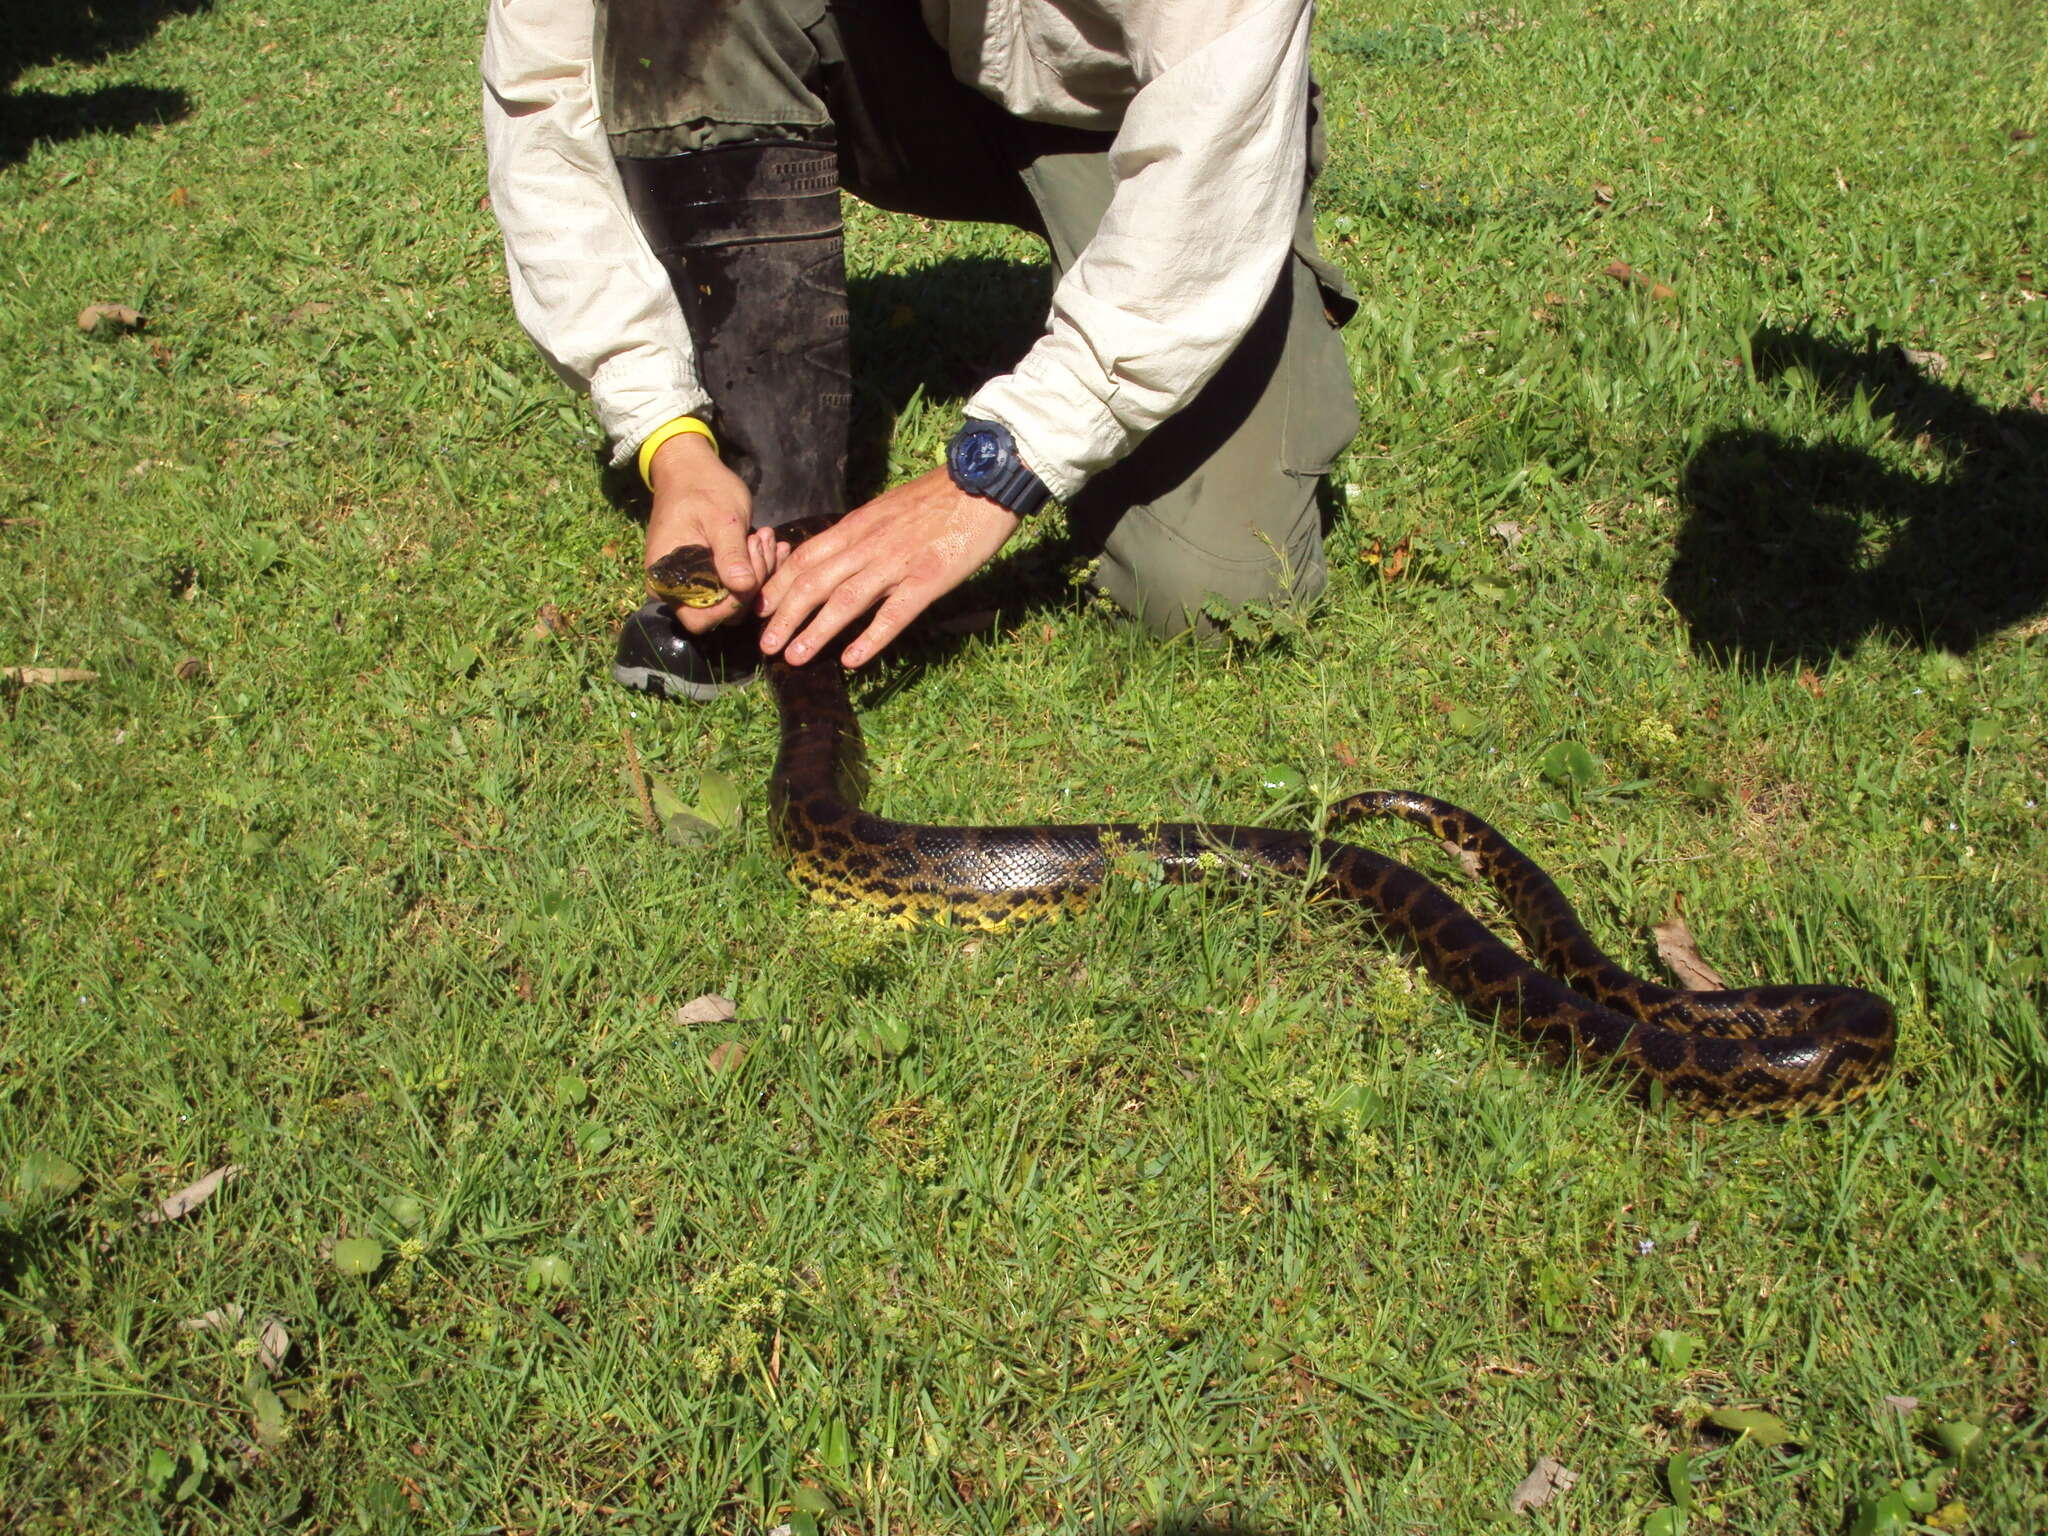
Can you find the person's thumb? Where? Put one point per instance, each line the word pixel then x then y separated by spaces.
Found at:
pixel 729 552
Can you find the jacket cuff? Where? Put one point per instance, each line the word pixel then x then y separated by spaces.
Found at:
pixel 632 394
pixel 1064 433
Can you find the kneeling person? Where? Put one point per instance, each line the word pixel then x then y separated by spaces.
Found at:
pixel 667 178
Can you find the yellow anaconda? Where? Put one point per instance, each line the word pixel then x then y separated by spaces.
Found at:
pixel 1745 1051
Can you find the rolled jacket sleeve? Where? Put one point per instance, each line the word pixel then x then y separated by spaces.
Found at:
pixel 1209 167
pixel 585 284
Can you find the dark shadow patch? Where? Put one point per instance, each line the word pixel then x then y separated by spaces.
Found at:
pixel 1771 567
pixel 81 33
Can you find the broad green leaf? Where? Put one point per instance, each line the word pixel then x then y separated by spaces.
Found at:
pixel 815 1501
pixel 571 1090
pixel 548 1272
pixel 1958 1440
pixel 1753 1424
pixel 718 799
pixel 268 1416
pixel 1678 1478
pixel 1674 1351
pixel 358 1255
pixel 1885 1515
pixel 45 1174
pixel 1280 779
pixel 404 1210
pixel 1569 766
pixel 666 801
pixel 835 1446
pixel 685 830
pixel 1668 1521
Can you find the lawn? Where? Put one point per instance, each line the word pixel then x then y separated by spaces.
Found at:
pixel 1697 535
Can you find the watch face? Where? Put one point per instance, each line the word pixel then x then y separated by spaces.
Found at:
pixel 977 456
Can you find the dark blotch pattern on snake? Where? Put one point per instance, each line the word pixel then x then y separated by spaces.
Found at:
pixel 1745 1051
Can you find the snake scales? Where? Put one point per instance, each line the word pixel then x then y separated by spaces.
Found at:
pixel 1750 1050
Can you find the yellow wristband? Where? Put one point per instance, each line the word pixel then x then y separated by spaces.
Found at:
pixel 682 426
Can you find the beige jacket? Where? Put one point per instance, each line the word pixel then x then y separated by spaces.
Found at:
pixel 1208 102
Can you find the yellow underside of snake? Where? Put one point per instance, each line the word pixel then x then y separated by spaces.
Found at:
pixel 1767 1049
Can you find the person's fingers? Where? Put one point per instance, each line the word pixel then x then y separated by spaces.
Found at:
pixel 799 564
pixel 806 592
pixel 848 602
pixel 727 537
pixel 889 621
pixel 697 620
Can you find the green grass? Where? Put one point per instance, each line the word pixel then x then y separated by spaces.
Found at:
pixel 1199 1214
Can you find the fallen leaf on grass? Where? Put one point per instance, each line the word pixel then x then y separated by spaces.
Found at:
pixel 548 622
pixel 1933 364
pixel 188 667
pixel 1509 534
pixel 1753 1424
pixel 708 1009
pixel 1546 1480
pixel 1810 681
pixel 116 317
pixel 726 1057
pixel 1392 559
pixel 309 311
pixel 43 677
pixel 192 1196
pixel 272 1342
pixel 1677 948
pixel 180 196
pixel 1341 750
pixel 1904 1407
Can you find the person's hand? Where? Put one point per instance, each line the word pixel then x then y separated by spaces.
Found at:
pixel 902 550
pixel 697 500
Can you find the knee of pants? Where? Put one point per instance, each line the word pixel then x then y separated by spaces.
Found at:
pixel 1171 584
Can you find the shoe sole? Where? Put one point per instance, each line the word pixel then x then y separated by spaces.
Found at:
pixel 667 685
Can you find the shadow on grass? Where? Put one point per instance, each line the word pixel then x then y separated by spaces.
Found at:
pixel 1770 568
pixel 78 33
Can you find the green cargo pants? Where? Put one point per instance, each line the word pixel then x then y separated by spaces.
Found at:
pixel 1220 501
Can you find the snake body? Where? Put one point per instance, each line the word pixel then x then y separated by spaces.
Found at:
pixel 1769 1049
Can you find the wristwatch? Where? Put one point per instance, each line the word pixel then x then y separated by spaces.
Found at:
pixel 982 459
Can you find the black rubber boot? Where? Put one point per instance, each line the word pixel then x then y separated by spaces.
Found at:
pixel 751 237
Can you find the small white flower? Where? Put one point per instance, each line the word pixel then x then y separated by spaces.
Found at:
pixel 1646 1245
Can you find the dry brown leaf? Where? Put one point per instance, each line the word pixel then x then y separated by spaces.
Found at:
pixel 118 317
pixel 727 1057
pixel 1509 534
pixel 1903 1406
pixel 1546 1480
pixel 192 1196
pixel 548 621
pixel 311 310
pixel 188 667
pixel 708 1009
pixel 43 677
pixel 1602 193
pixel 221 1318
pixel 180 196
pixel 272 1345
pixel 1810 681
pixel 1341 750
pixel 1677 948
pixel 1933 364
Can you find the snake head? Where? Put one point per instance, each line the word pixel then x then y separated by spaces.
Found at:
pixel 687 577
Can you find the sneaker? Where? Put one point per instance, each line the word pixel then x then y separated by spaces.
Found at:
pixel 657 655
